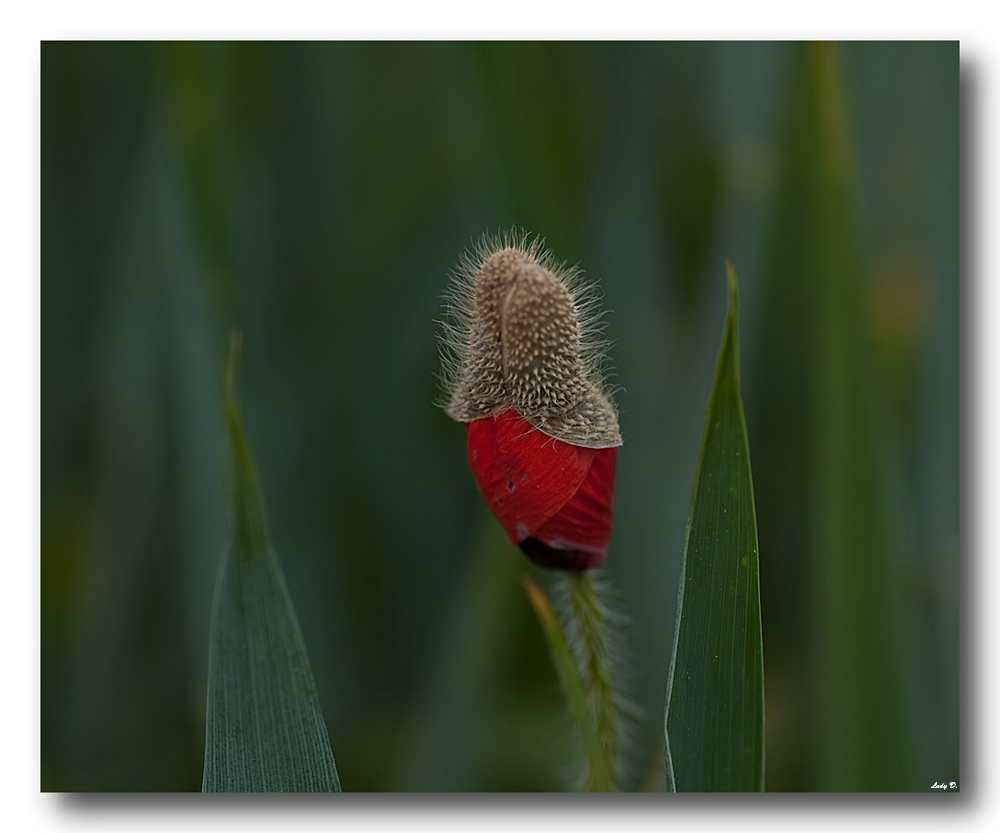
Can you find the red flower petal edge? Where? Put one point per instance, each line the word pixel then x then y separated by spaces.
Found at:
pixel 552 498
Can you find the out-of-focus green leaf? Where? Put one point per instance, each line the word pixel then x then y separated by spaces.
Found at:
pixel 714 718
pixel 265 731
pixel 862 732
pixel 449 743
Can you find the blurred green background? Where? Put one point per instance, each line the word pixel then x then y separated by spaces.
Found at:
pixel 316 196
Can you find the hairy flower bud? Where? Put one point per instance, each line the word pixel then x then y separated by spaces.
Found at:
pixel 522 361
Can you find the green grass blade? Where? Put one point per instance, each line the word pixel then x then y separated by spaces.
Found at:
pixel 714 720
pixel 264 729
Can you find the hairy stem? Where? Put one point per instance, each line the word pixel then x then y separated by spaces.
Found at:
pixel 579 643
pixel 598 770
pixel 587 625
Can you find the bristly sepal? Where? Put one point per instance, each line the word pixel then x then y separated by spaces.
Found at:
pixel 523 332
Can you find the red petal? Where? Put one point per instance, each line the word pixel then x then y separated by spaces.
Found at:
pixel 547 494
pixel 584 523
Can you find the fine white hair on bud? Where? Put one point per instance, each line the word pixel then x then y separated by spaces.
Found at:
pixel 523 331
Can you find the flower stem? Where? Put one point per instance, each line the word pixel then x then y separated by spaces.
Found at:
pixel 580 653
pixel 587 624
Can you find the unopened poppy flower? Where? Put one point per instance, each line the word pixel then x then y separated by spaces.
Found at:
pixel 522 364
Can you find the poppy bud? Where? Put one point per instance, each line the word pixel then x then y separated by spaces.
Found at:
pixel 522 370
